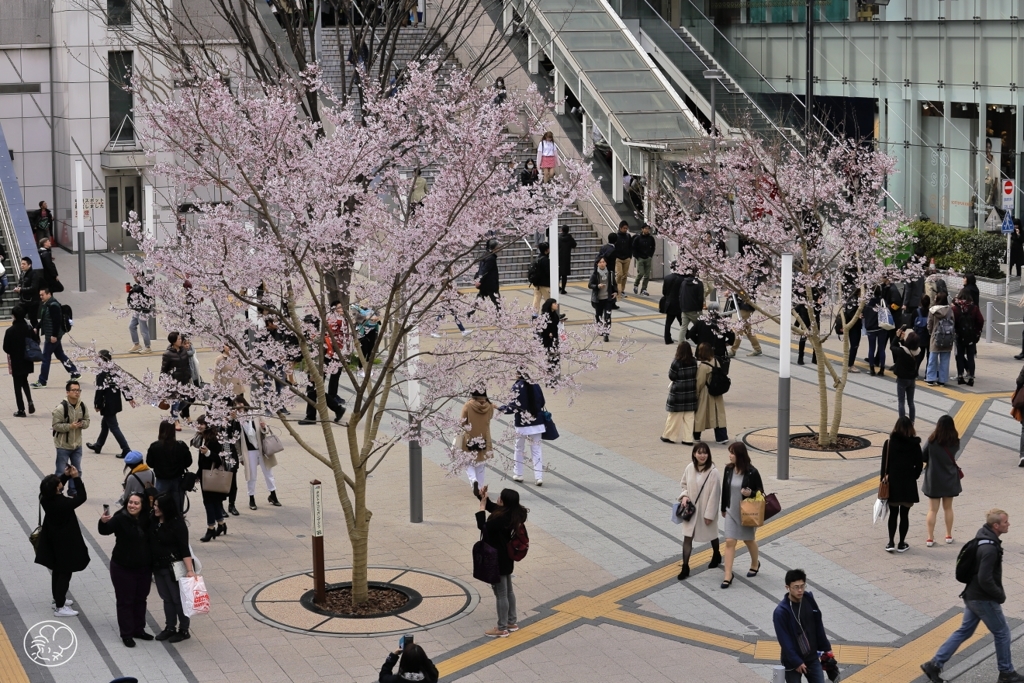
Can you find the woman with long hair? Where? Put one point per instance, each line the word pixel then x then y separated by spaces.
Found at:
pixel 169 459
pixel 682 397
pixel 700 485
pixel 131 569
pixel 213 455
pixel 741 480
pixel 60 547
pixel 20 364
pixel 942 475
pixel 603 293
pixel 414 666
pixel 505 517
pixel 710 409
pixel 901 466
pixel 168 544
pixel 547 156
pixel 475 419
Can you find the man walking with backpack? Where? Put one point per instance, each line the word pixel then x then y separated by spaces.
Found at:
pixel 52 327
pixel 980 566
pixel 68 420
pixel 968 322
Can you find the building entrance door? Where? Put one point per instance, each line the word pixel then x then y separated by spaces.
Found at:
pixel 123 196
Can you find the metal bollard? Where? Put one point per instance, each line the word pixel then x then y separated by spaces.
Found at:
pixel 988 322
pixel 778 674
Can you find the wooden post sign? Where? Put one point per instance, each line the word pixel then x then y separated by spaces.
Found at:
pixel 316 501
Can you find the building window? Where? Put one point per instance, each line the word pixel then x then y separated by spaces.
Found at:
pixel 122 128
pixel 119 12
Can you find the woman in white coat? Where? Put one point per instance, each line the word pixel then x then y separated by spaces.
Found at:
pixel 702 485
pixel 251 430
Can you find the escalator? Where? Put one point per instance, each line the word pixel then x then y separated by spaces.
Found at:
pixel 16 238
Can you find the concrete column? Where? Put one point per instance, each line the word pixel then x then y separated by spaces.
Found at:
pixel 533 52
pixel 915 155
pixel 559 93
pixel 616 178
pixel 980 161
pixel 1019 124
pixel 506 18
pixel 586 135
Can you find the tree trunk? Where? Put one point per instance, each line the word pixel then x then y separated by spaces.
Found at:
pixel 360 539
pixel 837 410
pixel 823 427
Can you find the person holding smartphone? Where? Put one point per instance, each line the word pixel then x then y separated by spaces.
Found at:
pixel 60 547
pixel 414 664
pixel 130 565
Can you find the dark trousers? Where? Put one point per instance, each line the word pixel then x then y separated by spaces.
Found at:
pixel 877 340
pixel 131 588
pixel 493 296
pixel 965 359
pixel 672 315
pixel 109 424
pixel 214 511
pixel 60 581
pixel 233 493
pixel 172 486
pixel 366 343
pixel 167 587
pixel 603 311
pixel 563 274
pixel 923 341
pixel 855 335
pixel 332 384
pixel 905 389
pixel 21 386
pixel 50 350
pixel 333 402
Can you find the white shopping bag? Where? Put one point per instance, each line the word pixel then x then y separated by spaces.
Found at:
pixel 194 598
pixel 881 510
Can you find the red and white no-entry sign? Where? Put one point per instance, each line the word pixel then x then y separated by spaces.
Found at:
pixel 1007 195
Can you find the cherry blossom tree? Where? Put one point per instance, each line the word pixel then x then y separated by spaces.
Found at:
pixel 825 206
pixel 300 213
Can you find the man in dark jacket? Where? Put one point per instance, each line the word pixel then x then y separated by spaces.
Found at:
pixel 691 300
pixel 912 293
pixel 566 243
pixel 541 280
pixel 968 323
pixel 800 631
pixel 486 279
pixel 983 598
pixel 670 293
pixel 623 257
pixel 140 303
pixel 107 403
pixel 28 290
pixel 175 363
pixel 644 247
pixel 50 277
pixel 51 329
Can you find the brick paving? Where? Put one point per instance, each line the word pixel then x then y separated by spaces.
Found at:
pixel 601 516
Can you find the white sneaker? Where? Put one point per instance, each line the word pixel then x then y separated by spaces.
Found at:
pixel 65 612
pixel 135 349
pixel 67 603
pixel 517 478
pixel 436 335
pixel 466 332
pixel 854 370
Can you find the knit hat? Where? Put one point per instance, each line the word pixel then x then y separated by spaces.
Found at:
pixel 133 458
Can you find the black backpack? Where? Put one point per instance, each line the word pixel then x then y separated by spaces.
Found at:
pixel 719 383
pixel 67 316
pixel 533 273
pixel 967 559
pixel 67 414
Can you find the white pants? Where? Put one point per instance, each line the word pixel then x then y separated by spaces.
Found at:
pixel 535 451
pixel 477 472
pixel 253 460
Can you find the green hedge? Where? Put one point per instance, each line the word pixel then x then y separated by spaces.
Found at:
pixel 965 251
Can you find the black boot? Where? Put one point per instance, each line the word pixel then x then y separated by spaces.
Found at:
pixel 272 499
pixel 252 502
pixel 232 509
pixel 222 529
pixel 684 572
pixel 716 559
pixel 210 535
pixel 32 406
pixel 339 413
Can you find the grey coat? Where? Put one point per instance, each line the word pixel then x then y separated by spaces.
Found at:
pixel 941 479
pixel 682 393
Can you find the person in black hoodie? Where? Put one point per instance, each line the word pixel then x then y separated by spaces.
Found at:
pixel 623 256
pixel 131 569
pixel 21 365
pixel 566 243
pixel 60 547
pixel 169 459
pixel 905 350
pixel 902 464
pixel 541 280
pixel 107 403
pixel 414 666
pixel 28 290
pixel 691 300
pixel 51 279
pixel 168 543
pixel 644 247
pixel 876 335
pixel 670 296
pixel 486 279
pixel 715 334
pixel 506 515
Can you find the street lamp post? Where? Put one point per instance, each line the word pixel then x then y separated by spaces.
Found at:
pixel 785 339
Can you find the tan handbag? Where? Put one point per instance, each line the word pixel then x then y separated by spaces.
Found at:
pixel 216 481
pixel 752 511
pixel 883 485
pixel 271 443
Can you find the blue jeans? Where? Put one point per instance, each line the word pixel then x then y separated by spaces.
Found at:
pixel 139 320
pixel 72 455
pixel 938 367
pixel 986 611
pixel 814 674
pixel 51 349
pixel 109 425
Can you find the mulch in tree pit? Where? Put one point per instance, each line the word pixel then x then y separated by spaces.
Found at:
pixel 809 442
pixel 381 600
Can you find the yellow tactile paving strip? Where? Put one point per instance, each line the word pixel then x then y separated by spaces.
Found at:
pixel 11 670
pixel 881 664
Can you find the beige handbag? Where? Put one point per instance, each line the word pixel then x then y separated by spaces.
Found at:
pixel 271 443
pixel 216 481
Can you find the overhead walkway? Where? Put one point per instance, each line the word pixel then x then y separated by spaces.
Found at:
pixel 16 238
pixel 623 92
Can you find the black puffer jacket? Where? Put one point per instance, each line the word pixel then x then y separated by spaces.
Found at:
pixel 497 533
pixel 644 246
pixel 61 546
pixel 904 361
pixel 168 460
pixel 131 547
pixel 903 462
